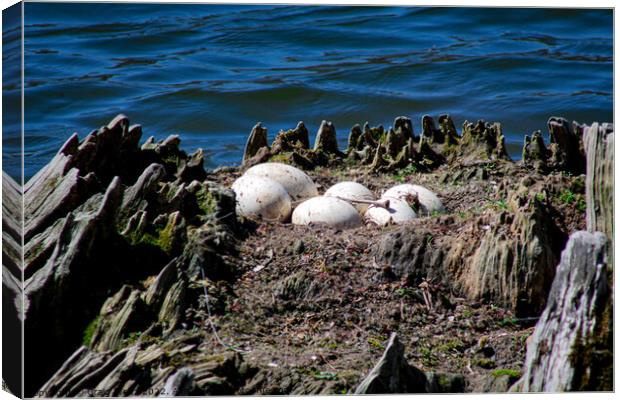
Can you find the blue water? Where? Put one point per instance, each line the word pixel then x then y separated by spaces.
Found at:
pixel 210 72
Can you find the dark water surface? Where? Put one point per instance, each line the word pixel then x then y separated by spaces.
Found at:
pixel 210 72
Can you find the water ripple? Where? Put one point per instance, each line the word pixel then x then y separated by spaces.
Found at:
pixel 210 72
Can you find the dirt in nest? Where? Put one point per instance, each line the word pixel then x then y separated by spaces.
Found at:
pixel 315 301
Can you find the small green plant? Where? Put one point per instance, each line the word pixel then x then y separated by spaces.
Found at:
pixel 502 205
pixel 507 372
pixel 332 346
pixel 508 321
pixel 171 159
pixel 540 197
pixel 131 338
pixel 567 197
pixel 523 338
pixel 452 345
pixel 489 167
pixel 377 342
pixel 467 313
pixel 499 205
pixel 405 172
pixel 405 293
pixel 485 363
pixel 325 376
pixel 428 356
pixel 581 204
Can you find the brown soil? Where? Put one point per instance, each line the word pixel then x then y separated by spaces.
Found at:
pixel 314 300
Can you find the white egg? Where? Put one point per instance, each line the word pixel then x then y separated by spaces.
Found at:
pixel 327 210
pixel 296 182
pixel 429 202
pixel 397 212
pixel 261 198
pixel 353 191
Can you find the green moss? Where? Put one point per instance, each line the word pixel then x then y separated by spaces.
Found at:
pixel 90 331
pixel 486 363
pixel 284 158
pixel 166 237
pixel 206 202
pixel 162 238
pixel 507 372
pixel 172 159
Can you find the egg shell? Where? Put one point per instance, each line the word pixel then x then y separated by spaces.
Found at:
pixel 429 202
pixel 328 211
pixel 351 190
pixel 261 198
pixel 397 212
pixel 296 182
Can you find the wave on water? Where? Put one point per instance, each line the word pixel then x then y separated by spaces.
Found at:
pixel 210 72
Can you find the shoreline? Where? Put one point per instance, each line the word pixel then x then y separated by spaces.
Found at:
pixel 126 241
